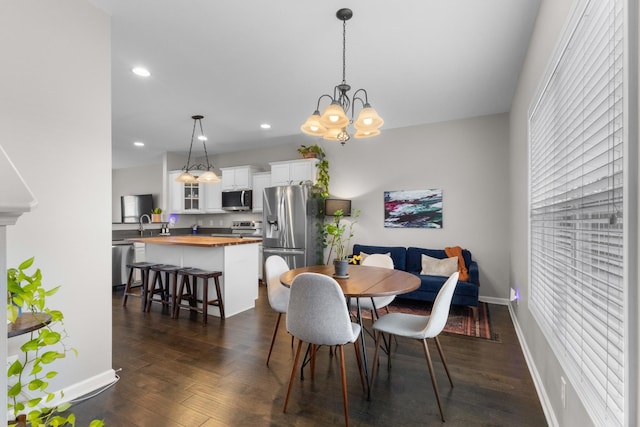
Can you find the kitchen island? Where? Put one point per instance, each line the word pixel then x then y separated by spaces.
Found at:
pixel 235 257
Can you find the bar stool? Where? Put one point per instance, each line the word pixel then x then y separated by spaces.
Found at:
pixel 192 292
pixel 144 268
pixel 166 288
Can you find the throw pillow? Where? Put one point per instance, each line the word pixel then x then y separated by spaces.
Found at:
pixel 439 267
pixel 364 255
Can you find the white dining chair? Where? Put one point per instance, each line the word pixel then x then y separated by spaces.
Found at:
pixel 277 293
pixel 374 303
pixel 420 327
pixel 318 315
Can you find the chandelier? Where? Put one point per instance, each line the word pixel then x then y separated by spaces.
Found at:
pixel 333 122
pixel 207 177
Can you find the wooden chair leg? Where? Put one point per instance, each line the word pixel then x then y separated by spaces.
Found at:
pixel 293 374
pixel 444 362
pixel 433 377
pixel 345 399
pixel 157 276
pixel 273 339
pixel 474 310
pixel 127 288
pixel 205 300
pixel 219 295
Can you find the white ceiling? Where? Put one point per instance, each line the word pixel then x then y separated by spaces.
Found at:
pixel 243 63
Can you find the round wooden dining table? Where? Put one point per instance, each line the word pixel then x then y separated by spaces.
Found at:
pixel 363 282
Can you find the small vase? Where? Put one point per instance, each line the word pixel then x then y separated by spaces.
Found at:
pixel 340 267
pixel 156 217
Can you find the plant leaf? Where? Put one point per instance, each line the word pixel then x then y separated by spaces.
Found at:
pixel 33 402
pixel 15 369
pixel 14 390
pixel 26 264
pixel 50 356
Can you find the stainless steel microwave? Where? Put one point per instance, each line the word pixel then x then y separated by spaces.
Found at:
pixel 237 200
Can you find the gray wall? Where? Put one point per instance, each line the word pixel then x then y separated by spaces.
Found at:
pixel 131 181
pixel 551 19
pixel 467 159
pixel 55 124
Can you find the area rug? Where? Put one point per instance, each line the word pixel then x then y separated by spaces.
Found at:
pixel 460 320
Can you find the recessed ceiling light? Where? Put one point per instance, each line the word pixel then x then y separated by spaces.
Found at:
pixel 140 71
pixel 265 126
pixel 138 144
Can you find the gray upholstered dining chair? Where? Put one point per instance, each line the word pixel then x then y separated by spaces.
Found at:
pixel 374 303
pixel 318 315
pixel 420 328
pixel 277 293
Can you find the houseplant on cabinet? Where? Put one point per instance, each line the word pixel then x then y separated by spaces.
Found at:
pixel 338 236
pixel 45 345
pixel 322 179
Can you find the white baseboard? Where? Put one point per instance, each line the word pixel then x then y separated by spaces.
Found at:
pixel 72 393
pixel 537 381
pixel 494 300
pixel 89 385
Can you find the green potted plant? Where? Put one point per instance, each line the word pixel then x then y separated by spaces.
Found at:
pixel 311 151
pixel 337 237
pixel 31 370
pixel 322 180
pixel 156 215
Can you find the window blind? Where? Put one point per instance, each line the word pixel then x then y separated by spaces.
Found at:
pixel 576 201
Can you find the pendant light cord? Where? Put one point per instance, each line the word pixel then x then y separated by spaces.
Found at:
pixel 209 167
pixel 344 52
pixel 193 132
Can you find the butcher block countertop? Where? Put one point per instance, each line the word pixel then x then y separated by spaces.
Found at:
pixel 200 241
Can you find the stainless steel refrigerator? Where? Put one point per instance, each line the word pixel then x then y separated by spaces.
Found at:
pixel 291 225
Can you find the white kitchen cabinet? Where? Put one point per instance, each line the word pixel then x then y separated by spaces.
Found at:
pixel 212 202
pixel 175 193
pixel 185 198
pixel 237 178
pixel 293 171
pixel 261 180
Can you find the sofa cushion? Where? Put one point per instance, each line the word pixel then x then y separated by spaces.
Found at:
pixel 364 255
pixel 398 253
pixel 465 294
pixel 414 257
pixel 439 267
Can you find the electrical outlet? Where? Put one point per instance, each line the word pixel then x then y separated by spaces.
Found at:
pixel 514 295
pixel 563 392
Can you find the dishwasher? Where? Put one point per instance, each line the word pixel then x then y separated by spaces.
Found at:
pixel 121 255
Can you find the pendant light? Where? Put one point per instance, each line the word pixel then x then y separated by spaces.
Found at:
pixel 206 177
pixel 333 123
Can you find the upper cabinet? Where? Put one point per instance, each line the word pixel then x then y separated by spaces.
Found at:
pixel 184 198
pixel 212 197
pixel 293 171
pixel 261 180
pixel 237 178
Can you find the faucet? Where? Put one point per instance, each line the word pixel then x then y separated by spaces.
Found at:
pixel 141 229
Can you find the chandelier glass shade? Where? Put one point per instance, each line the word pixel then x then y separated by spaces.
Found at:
pixel 208 176
pixel 334 121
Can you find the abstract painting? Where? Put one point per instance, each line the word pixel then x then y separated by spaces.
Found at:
pixel 413 209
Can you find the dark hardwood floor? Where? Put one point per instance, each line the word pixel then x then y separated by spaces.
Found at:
pixel 177 373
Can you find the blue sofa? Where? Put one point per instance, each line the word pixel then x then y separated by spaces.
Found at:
pixel 410 260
